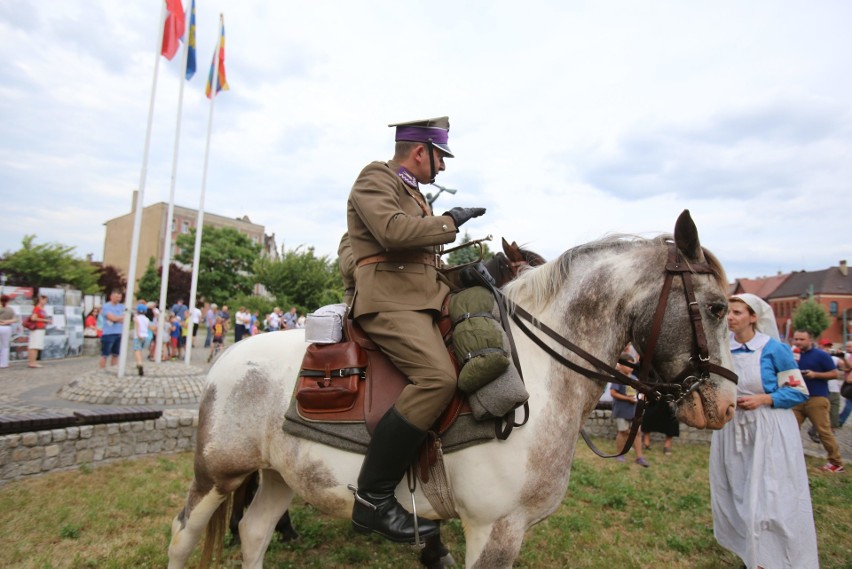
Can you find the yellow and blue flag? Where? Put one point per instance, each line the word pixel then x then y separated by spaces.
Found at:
pixel 190 47
pixel 221 79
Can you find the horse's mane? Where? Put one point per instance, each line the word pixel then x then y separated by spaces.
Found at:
pixel 537 286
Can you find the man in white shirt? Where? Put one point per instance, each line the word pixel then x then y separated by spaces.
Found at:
pixel 195 318
pixel 242 319
pixel 273 320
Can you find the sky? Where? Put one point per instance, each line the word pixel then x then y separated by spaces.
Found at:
pixel 570 120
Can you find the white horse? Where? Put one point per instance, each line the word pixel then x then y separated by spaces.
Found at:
pixel 601 295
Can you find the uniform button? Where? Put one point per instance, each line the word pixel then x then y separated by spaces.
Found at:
pixel 401 267
pixel 445 227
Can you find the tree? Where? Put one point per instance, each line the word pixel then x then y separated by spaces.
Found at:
pixel 179 283
pixel 225 262
pixel 811 316
pixel 109 279
pixel 301 279
pixel 468 254
pixel 49 265
pixel 149 284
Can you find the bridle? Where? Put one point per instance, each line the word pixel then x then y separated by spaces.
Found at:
pixel 696 373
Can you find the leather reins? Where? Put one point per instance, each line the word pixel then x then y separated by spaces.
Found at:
pixel 691 378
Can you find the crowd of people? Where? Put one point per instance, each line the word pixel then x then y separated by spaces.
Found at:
pixel 181 325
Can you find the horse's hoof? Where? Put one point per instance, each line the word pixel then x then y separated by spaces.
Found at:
pixel 287 535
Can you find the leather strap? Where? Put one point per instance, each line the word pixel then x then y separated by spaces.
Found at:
pixel 400 257
pixel 470 355
pixel 333 373
pixel 469 315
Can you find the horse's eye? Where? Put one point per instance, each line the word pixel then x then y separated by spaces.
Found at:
pixel 718 309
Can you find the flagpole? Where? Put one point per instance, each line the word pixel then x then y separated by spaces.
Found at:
pixel 140 200
pixel 199 226
pixel 167 245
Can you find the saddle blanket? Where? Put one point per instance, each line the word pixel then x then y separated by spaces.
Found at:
pixel 353 437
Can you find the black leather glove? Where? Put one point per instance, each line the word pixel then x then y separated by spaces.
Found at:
pixel 463 214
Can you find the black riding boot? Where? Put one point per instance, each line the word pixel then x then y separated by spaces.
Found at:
pixel 391 450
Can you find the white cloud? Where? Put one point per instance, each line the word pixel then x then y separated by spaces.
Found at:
pixel 569 120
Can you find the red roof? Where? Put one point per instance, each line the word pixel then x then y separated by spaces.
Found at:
pixel 762 287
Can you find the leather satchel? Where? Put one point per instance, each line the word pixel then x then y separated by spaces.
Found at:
pixel 328 380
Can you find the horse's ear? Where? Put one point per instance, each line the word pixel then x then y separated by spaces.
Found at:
pixel 686 237
pixel 513 252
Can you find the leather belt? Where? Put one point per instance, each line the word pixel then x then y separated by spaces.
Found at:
pixel 400 257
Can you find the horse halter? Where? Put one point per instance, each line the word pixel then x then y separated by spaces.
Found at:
pixel 700 367
pixel 697 371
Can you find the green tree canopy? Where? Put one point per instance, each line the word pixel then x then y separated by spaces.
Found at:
pixel 811 316
pixel 301 279
pixel 468 254
pixel 225 263
pixel 49 265
pixel 149 284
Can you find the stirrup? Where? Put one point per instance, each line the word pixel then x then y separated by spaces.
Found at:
pixel 418 544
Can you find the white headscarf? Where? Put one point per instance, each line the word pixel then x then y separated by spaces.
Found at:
pixel 765 317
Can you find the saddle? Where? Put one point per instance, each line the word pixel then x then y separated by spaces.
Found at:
pixel 354 381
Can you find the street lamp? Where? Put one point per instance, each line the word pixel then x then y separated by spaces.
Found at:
pixel 431 199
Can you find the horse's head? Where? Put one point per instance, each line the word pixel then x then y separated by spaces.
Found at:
pixel 685 335
pixel 505 266
pixel 666 296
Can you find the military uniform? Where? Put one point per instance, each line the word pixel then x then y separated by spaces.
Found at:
pixel 394 239
pixel 346 266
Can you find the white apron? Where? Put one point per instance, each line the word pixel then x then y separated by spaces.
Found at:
pixel 758 480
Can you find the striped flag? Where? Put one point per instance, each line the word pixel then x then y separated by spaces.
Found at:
pixel 221 79
pixel 174 28
pixel 190 51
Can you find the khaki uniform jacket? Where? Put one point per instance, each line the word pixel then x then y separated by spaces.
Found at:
pixel 345 262
pixel 383 216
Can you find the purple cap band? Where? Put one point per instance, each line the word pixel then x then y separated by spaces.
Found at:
pixel 422 134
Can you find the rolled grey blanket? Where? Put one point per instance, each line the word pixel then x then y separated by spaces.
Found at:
pixel 500 396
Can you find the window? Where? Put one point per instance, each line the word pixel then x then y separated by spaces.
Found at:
pixel 832 308
pixel 185 226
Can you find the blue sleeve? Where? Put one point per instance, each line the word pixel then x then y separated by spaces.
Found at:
pixel 775 358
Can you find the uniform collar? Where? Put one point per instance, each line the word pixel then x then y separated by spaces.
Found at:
pixel 760 339
pixel 407 178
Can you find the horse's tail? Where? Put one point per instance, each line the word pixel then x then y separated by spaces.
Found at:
pixel 214 538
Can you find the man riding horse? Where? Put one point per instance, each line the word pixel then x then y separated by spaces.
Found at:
pixel 395 239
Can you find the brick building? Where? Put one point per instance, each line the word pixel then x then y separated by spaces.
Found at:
pixel 831 287
pixel 119 233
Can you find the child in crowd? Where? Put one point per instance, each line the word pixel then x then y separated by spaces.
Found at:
pixel 175 335
pixel 186 330
pixel 218 337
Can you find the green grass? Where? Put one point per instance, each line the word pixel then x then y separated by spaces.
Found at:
pixel 614 515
